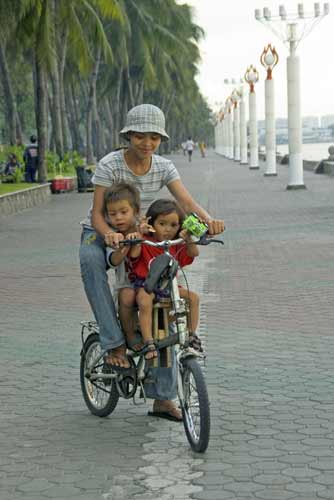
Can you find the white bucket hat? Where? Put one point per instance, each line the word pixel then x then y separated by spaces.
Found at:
pixel 145 118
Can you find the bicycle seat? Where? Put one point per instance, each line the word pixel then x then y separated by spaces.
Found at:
pixel 158 268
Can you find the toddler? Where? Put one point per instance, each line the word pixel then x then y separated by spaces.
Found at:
pixel 165 218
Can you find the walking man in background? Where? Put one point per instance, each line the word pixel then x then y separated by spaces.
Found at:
pixel 30 158
pixel 190 147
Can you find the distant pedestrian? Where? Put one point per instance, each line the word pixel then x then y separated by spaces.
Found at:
pixel 30 158
pixel 190 147
pixel 202 148
pixel 184 148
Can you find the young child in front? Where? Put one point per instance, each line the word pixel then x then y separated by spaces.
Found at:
pixel 122 208
pixel 165 218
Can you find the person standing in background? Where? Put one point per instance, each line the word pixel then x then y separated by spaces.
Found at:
pixel 190 147
pixel 202 148
pixel 30 158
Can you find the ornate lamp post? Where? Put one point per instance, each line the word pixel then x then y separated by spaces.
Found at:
pixel 235 96
pixel 269 59
pixel 291 29
pixel 251 77
pixel 221 132
pixel 229 124
pixel 243 128
pixel 224 133
pixel 218 123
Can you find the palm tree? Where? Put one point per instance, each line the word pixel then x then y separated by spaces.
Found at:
pixel 8 20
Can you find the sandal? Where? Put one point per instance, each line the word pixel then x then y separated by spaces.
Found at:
pixel 150 352
pixel 195 342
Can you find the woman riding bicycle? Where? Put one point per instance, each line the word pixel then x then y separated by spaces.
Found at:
pixel 144 131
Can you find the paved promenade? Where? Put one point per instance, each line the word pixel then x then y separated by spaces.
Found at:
pixel 267 319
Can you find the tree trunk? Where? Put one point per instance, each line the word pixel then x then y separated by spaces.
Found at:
pixel 10 103
pixel 56 107
pixel 130 89
pixel 110 124
pixel 71 117
pixel 116 109
pixel 41 120
pixel 140 95
pixel 90 110
pixel 19 137
pixel 64 120
pixel 52 143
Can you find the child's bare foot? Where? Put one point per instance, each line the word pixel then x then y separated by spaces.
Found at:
pixel 133 342
pixel 150 348
pixel 117 357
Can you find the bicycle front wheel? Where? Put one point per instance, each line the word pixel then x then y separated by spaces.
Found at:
pixel 100 395
pixel 195 407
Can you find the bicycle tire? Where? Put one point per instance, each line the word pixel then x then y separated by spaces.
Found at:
pixel 196 416
pixel 100 398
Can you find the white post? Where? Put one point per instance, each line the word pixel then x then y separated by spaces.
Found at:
pixel 271 169
pixel 230 134
pixel 254 154
pixel 294 121
pixel 216 138
pixel 225 138
pixel 243 131
pixel 236 131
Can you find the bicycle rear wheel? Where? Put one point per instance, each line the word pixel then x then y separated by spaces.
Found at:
pixel 101 395
pixel 195 407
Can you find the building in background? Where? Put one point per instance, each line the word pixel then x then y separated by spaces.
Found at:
pixel 326 121
pixel 310 122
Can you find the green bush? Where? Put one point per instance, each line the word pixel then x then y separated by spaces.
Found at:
pixel 18 176
pixel 66 166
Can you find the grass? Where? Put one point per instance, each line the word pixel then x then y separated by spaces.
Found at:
pixel 12 187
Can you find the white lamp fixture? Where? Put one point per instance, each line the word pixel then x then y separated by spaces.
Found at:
pixel 291 28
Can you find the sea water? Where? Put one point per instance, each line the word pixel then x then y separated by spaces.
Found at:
pixel 313 152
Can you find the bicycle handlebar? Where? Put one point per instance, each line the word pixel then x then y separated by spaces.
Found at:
pixel 168 243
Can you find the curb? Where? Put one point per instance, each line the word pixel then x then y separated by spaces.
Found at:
pixel 13 203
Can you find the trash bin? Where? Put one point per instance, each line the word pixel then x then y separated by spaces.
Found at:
pixel 84 176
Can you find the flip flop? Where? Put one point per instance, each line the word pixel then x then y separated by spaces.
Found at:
pixel 164 414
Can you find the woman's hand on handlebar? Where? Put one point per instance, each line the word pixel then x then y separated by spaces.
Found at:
pixel 216 226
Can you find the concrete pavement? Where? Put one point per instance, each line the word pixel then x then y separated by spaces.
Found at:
pixel 267 318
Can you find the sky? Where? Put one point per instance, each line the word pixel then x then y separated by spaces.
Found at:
pixel 234 40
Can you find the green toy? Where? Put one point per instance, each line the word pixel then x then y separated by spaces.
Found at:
pixel 193 224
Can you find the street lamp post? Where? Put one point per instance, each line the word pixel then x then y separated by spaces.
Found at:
pixel 236 124
pixel 218 122
pixel 221 132
pixel 269 59
pixel 229 124
pixel 251 77
pixel 243 128
pixel 291 29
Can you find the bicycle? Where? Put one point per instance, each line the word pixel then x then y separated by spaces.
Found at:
pixel 102 387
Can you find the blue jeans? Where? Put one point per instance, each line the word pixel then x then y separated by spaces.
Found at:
pixel 94 276
pixel 94 268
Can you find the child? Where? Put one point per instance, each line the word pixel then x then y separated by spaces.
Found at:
pixel 166 218
pixel 121 208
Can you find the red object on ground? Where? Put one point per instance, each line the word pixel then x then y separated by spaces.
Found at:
pixel 62 185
